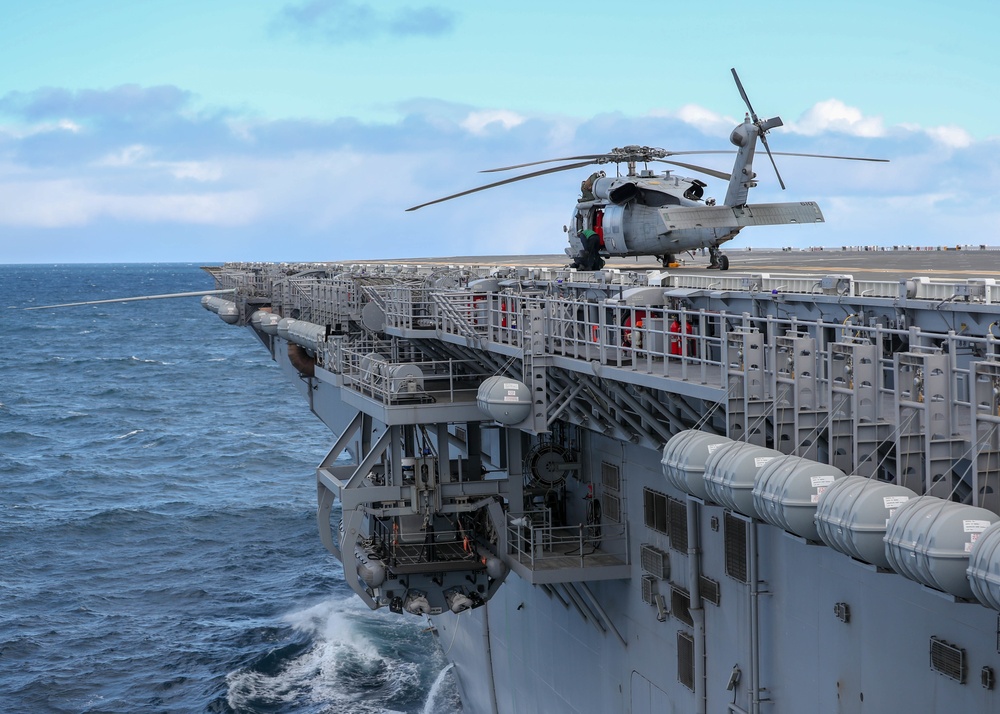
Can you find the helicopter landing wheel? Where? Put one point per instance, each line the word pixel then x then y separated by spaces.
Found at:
pixel 666 259
pixel 718 260
pixel 713 257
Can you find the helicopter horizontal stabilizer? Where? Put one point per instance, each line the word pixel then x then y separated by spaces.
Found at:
pixel 763 214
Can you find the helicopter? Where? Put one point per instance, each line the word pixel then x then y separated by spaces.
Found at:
pixel 664 214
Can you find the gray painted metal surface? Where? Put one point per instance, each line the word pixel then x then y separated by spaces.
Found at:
pixel 567 563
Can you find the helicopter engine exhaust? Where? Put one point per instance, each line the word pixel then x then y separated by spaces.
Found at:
pixel 614 190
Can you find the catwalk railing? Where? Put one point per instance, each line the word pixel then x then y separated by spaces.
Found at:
pixel 841 364
pixel 565 553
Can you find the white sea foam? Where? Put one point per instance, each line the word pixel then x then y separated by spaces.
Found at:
pixel 131 433
pixel 328 622
pixel 431 705
pixel 323 672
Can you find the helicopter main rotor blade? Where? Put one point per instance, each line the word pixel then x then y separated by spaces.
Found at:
pixel 811 156
pixel 593 157
pixel 701 169
pixel 610 157
pixel 828 156
pixel 533 174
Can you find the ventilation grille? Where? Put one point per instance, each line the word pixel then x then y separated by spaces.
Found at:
pixel 655 561
pixel 948 660
pixel 709 590
pixel 680 605
pixel 649 589
pixel 685 660
pixel 611 506
pixel 654 510
pixel 678 525
pixel 610 476
pixel 461 434
pixel 736 548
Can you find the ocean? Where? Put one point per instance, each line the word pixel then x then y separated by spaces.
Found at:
pixel 158 545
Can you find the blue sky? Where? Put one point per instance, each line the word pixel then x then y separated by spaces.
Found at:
pixel 302 129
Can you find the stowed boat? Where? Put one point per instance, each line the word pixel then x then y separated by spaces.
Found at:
pixel 663 491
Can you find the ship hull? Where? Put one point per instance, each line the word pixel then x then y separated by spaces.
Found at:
pixel 713 595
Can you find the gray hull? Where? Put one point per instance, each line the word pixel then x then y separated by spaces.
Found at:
pixel 571 561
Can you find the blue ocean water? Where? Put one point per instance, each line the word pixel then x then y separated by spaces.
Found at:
pixel 158 547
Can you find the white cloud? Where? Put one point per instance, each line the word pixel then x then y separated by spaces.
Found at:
pixel 694 114
pixel 229 208
pixel 938 217
pixel 833 115
pixel 951 136
pixel 203 171
pixel 48 127
pixel 126 156
pixel 479 122
pixel 70 126
pixel 137 156
pixel 339 189
pixel 705 120
pixel 67 203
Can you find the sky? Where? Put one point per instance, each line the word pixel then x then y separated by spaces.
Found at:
pixel 301 130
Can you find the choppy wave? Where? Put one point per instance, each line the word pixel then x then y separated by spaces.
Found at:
pixel 332 665
pixel 158 519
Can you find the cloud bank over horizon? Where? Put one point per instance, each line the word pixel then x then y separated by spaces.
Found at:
pixel 93 174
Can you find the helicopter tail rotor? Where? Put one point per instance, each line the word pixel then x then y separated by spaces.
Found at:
pixel 763 126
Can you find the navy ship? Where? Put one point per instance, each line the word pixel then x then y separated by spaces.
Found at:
pixel 650 489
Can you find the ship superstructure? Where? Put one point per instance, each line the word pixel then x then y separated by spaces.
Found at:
pixel 659 491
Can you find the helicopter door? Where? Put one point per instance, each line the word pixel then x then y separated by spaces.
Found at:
pixel 614 230
pixel 599 225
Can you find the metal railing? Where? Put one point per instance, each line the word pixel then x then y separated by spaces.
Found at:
pixel 394 378
pixel 534 541
pixel 419 548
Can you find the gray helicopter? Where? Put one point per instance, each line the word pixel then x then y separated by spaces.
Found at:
pixel 662 214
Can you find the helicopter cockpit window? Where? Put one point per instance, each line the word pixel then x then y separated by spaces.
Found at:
pixel 649 197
